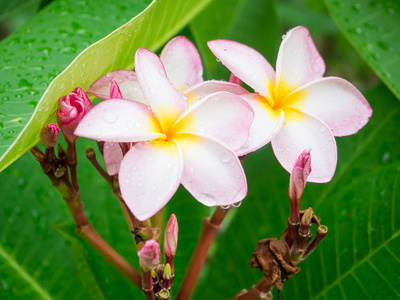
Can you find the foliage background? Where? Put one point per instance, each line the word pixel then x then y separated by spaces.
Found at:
pixel 40 257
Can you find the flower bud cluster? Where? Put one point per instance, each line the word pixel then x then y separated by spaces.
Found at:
pixel 298 235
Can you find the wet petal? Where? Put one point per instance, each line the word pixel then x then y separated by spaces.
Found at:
pixel 149 175
pixel 212 173
pixel 166 101
pixel 335 101
pixel 127 82
pixel 112 153
pixel 246 63
pixel 199 91
pixel 298 61
pixel 119 120
pixel 301 132
pixel 223 115
pixel 182 63
pixel 267 122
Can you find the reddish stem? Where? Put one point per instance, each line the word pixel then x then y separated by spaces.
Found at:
pixel 210 229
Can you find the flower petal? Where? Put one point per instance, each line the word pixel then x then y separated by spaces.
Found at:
pixel 113 156
pixel 149 175
pixel 301 132
pixel 199 91
pixel 182 63
pixel 166 101
pixel 267 122
pixel 212 172
pixel 119 120
pixel 335 101
pixel 298 61
pixel 246 63
pixel 222 115
pixel 127 82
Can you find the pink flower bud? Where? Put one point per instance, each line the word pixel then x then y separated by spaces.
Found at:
pixel 72 108
pixel 298 178
pixel 149 256
pixel 171 236
pixel 49 135
pixel 115 92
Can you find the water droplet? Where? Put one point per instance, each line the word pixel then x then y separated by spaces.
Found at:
pixel 127 181
pixel 225 157
pixel 92 112
pixel 237 204
pixel 217 59
pixel 150 158
pixel 109 75
pixel 152 90
pixel 225 206
pixel 168 164
pixel 386 156
pixel 130 125
pixel 110 117
pixel 153 187
pixel 132 77
pixel 200 73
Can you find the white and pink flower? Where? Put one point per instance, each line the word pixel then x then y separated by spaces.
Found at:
pixel 295 107
pixel 172 142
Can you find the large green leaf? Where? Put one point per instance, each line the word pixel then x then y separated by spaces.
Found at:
pixel 35 260
pixel 36 53
pixel 361 255
pixel 372 28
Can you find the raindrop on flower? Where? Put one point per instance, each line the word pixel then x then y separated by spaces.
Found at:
pixel 237 204
pixel 110 117
pixel 225 157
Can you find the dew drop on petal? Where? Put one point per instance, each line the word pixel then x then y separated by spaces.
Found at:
pixel 237 204
pixel 132 77
pixel 168 165
pixel 225 157
pixel 225 206
pixel 127 181
pixel 153 187
pixel 153 91
pixel 150 158
pixel 130 125
pixel 92 112
pixel 110 117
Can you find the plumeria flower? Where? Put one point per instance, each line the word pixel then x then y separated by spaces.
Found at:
pixel 295 107
pixel 173 142
pixel 184 70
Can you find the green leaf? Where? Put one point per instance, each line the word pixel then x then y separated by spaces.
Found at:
pixel 36 261
pixel 237 20
pixel 372 27
pixel 82 261
pixel 39 51
pixel 360 256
